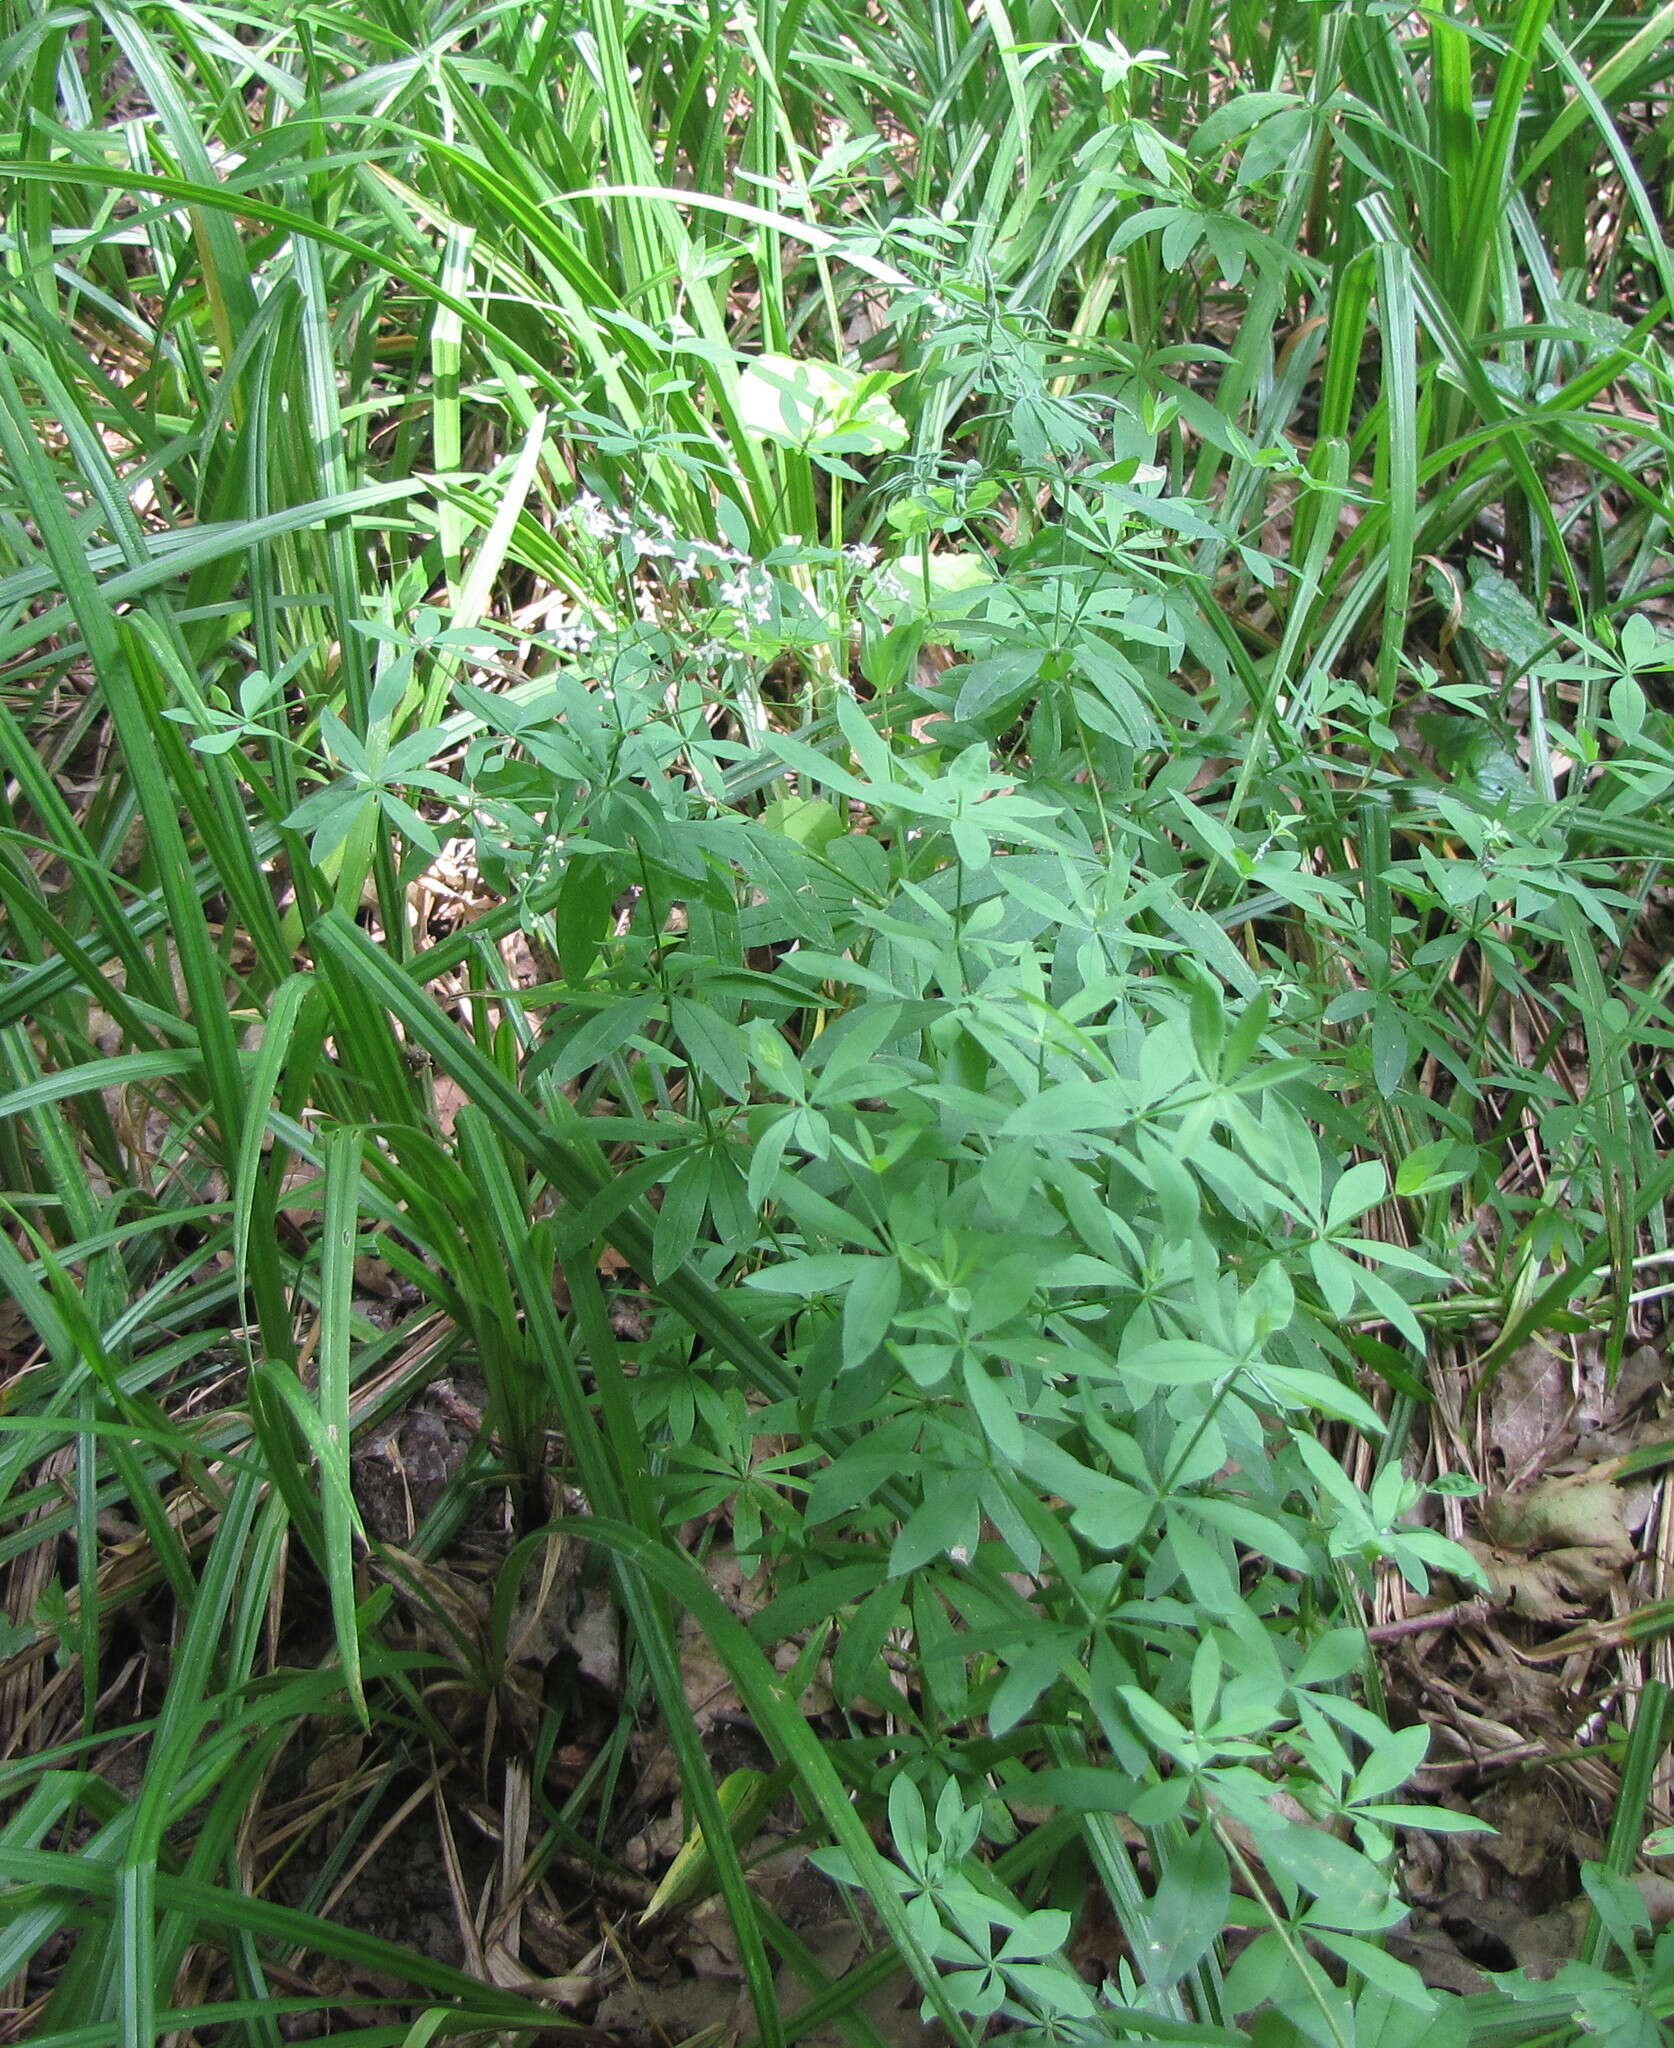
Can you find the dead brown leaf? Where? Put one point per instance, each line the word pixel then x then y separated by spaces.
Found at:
pixel 1575 1512
pixel 1559 1585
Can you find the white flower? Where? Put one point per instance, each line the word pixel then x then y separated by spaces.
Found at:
pixel 574 636
pixel 862 554
pixel 596 519
pixel 749 593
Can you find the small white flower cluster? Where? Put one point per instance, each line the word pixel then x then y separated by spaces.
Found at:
pixel 685 557
pixel 658 543
pixel 750 594
pixel 573 636
pixel 746 588
pixel 598 520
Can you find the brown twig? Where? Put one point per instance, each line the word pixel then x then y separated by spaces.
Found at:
pixel 1461 1613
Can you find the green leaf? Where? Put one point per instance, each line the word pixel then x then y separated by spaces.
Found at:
pixel 1262 1533
pixel 819 1273
pixel 1108 1512
pixel 1390 1765
pixel 992 1404
pixel 1393 1977
pixel 1189 1908
pixel 1349 1893
pixel 997 682
pixel 1068 1107
pixel 869 1308
pixel 685 1197
pixel 717 1048
pixel 1389 1050
pixel 1619 1904
pixel 860 1644
pixel 1361 1188
pixel 1498 613
pixel 946 1524
pixel 1435 1820
pixel 1027 1676
pixel 1176 1362
pixel 1417 1173
pixel 810 821
pixel 603 1034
